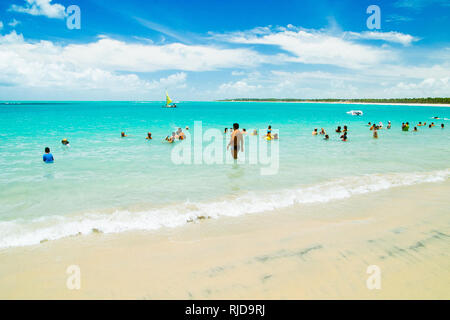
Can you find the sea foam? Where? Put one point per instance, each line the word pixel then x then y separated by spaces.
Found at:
pixel 22 233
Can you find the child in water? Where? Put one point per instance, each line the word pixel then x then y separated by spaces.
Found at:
pixel 314 133
pixel 269 132
pixel 48 157
pixel 149 136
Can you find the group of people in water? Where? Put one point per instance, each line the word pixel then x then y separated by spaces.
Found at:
pixel 405 126
pixel 343 131
pixel 268 136
pixel 236 139
pixel 177 135
pixel 373 127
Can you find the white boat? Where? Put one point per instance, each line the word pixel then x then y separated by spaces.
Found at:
pixel 355 112
pixel 169 103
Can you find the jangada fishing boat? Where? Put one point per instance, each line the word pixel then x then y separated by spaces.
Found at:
pixel 169 103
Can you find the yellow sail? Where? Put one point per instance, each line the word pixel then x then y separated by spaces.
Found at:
pixel 168 100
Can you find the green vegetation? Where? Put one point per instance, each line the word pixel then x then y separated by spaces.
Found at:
pixel 395 100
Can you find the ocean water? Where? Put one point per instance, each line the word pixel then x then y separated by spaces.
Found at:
pixel 106 183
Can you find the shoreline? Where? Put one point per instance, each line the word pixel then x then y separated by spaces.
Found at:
pixel 354 103
pixel 318 251
pixel 12 103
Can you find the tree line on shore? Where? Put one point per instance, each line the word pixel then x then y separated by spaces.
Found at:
pixel 392 100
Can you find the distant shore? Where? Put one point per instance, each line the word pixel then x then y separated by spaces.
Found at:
pixel 350 103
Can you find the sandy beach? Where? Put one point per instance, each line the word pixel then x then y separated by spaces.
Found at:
pixel 314 251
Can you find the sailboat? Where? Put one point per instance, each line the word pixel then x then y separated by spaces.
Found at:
pixel 168 102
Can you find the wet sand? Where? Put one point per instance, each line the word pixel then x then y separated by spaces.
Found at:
pixel 317 251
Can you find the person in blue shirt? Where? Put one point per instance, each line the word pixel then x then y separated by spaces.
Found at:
pixel 48 157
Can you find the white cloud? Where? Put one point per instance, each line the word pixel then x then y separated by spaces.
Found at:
pixel 311 46
pixel 176 80
pixel 238 87
pixel 41 8
pixel 109 63
pixel 1 25
pixel 392 36
pixel 13 23
pixel 418 4
pixel 429 83
pixel 387 82
pixel 118 55
pixel 397 18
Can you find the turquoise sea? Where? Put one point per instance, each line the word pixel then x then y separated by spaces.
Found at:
pixel 110 184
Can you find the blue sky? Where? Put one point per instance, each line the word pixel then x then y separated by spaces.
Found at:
pixel 206 50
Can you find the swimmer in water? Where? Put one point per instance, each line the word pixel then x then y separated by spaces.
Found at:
pixel 442 125
pixel 65 142
pixel 420 124
pixel 322 131
pixel 389 125
pixel 275 136
pixel 122 134
pixel 326 137
pixel 181 134
pixel 236 141
pixel 314 133
pixel 415 129
pixel 244 131
pixel 344 136
pixel 149 136
pixel 375 134
pixel 405 126
pixel 338 129
pixel 269 132
pixel 225 131
pixel 48 157
pixel 255 132
pixel 345 129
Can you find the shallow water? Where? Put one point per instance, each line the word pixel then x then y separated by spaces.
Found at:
pixel 112 184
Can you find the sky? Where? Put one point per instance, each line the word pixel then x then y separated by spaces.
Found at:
pixel 207 50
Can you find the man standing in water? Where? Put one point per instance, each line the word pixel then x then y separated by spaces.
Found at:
pixel 236 141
